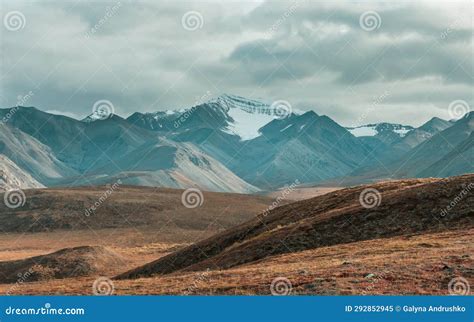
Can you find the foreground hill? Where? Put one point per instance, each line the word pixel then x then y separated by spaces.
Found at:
pixel 402 265
pixel 404 208
pixel 69 262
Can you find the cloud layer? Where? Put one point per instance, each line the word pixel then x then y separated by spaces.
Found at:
pixel 403 61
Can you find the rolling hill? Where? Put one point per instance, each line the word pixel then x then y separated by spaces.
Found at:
pixel 121 206
pixel 405 208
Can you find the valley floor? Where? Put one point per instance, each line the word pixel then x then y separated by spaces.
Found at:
pixel 417 264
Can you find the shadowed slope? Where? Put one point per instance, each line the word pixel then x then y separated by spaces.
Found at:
pixel 68 262
pixel 407 207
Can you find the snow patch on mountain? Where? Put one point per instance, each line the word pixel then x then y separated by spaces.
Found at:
pixel 247 116
pixel 246 124
pixel 363 131
pixel 92 118
pixel 402 132
pixel 379 128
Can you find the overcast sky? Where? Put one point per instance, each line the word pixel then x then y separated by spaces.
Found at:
pixel 357 62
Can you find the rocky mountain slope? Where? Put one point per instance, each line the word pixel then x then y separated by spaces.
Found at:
pixel 64 151
pixel 305 147
pixel 163 163
pixel 229 143
pixel 458 161
pixel 12 177
pixel 414 162
pixel 32 156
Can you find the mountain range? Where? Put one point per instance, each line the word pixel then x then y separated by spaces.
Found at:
pixel 229 144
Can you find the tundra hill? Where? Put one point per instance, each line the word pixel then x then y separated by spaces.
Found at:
pixel 127 207
pixel 400 265
pixel 407 207
pixel 68 262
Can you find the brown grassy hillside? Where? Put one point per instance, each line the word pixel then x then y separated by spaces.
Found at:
pixel 65 209
pixel 68 262
pixel 407 207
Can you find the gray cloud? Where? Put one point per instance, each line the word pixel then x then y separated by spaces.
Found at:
pixel 312 54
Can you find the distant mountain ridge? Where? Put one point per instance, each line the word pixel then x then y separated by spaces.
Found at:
pixel 228 143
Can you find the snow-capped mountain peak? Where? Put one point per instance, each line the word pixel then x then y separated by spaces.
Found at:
pixel 248 116
pixel 249 105
pixel 231 114
pixel 97 116
pixel 375 129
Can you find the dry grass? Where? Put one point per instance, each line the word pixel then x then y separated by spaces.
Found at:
pixel 55 209
pixel 420 264
pixel 301 193
pixel 325 245
pixel 407 207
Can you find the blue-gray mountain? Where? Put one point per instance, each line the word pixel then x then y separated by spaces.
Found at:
pixel 227 144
